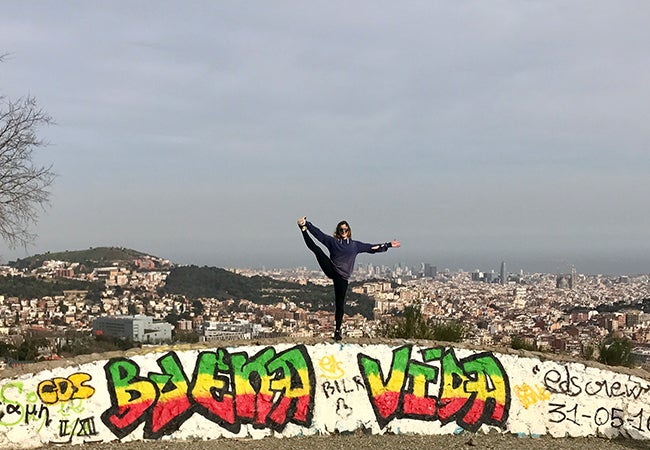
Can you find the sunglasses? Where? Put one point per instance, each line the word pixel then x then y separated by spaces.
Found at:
pixel 343 230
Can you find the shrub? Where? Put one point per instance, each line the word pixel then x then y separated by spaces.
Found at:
pixel 615 351
pixel 450 331
pixel 413 325
pixel 519 343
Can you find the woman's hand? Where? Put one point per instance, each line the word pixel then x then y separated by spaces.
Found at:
pixel 395 244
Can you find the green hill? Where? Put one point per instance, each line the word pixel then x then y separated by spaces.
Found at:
pixel 190 281
pixel 90 258
pixel 32 287
pixel 212 282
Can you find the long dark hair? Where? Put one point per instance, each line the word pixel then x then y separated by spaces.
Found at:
pixel 337 235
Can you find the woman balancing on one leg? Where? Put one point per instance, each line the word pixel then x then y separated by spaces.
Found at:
pixel 340 264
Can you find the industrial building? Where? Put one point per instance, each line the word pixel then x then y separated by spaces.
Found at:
pixel 137 328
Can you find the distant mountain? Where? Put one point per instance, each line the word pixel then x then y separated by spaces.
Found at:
pixel 90 258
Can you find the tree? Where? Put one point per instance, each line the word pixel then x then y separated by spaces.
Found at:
pixel 448 331
pixel 186 336
pixel 199 309
pixel 413 325
pixel 588 351
pixel 615 351
pixel 519 343
pixel 24 186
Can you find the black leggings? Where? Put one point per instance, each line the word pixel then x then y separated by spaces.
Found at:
pixel 340 283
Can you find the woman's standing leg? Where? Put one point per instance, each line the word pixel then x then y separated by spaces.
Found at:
pixel 340 289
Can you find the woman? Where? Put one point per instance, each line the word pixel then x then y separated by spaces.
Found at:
pixel 340 264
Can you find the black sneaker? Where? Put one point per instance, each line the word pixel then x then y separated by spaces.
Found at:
pixel 337 335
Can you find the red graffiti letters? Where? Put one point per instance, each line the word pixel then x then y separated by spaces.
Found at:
pixel 212 390
pixel 131 396
pixel 267 390
pixel 473 391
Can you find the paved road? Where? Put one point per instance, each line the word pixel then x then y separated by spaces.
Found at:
pixel 492 441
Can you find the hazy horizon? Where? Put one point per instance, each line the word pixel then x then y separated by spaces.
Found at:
pixel 473 132
pixel 541 263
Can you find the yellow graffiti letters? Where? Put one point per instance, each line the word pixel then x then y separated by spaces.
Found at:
pixel 331 368
pixel 60 389
pixel 529 395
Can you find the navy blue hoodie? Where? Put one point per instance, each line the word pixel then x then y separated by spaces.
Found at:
pixel 343 252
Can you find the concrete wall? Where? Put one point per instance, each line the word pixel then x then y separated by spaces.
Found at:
pixel 289 389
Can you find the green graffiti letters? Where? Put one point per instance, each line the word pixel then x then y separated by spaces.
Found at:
pixel 473 391
pixel 14 410
pixel 18 406
pixel 268 389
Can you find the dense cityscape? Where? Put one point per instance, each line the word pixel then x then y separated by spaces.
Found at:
pixel 561 313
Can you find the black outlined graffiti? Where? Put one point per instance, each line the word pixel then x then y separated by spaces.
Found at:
pixel 472 391
pixel 267 390
pixel 64 389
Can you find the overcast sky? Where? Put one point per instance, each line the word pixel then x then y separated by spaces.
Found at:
pixel 472 131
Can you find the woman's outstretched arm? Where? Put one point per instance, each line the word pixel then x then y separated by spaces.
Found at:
pixel 385 246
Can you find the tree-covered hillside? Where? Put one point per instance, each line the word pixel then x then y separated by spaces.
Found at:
pixel 31 287
pixel 213 282
pixel 90 258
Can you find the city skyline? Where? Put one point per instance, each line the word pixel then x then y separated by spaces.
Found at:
pixel 417 268
pixel 473 133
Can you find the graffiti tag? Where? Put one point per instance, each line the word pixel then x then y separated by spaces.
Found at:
pixel 331 368
pixel 333 387
pixel 568 383
pixel 80 427
pixel 529 395
pixel 64 389
pixel 16 410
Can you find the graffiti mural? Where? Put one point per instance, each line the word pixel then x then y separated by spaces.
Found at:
pixel 472 392
pixel 268 389
pixel 290 390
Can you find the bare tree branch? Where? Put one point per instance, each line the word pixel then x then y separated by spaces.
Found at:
pixel 24 186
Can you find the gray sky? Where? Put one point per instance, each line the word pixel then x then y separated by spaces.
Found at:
pixel 472 131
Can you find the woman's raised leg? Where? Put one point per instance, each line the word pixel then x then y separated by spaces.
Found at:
pixel 323 260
